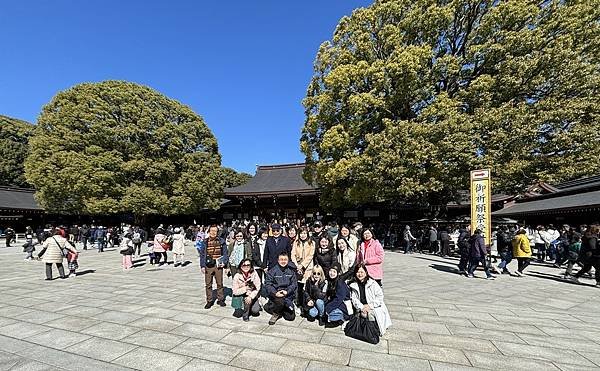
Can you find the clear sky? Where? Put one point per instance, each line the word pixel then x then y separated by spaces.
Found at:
pixel 242 65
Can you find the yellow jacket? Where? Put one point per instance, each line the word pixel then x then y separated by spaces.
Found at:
pixel 521 247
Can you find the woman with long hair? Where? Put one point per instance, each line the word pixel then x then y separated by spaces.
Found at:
pixel 367 298
pixel 303 251
pixel 370 253
pixel 246 287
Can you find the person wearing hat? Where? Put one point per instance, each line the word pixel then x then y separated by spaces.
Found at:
pixel 178 247
pixel 318 232
pixel 276 244
pixel 126 249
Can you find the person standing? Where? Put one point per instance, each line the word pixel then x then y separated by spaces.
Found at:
pixel 432 240
pixel 178 247
pixel 318 232
pixel 346 259
pixel 238 250
pixel 352 240
pixel 541 242
pixel 100 238
pixel 325 254
pixel 463 246
pixel 259 253
pixel 84 235
pixel 444 240
pixel 9 235
pixel 521 251
pixel 277 244
pixel 371 254
pixel 303 251
pixel 213 259
pixel 159 246
pixel 126 250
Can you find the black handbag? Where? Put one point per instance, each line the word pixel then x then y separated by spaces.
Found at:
pixel 361 328
pixel 210 262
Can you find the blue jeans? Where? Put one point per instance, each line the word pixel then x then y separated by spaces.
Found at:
pixel 475 263
pixel 506 259
pixel 335 315
pixel 318 309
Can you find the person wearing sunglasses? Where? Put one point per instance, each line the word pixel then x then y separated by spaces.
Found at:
pixel 315 293
pixel 238 250
pixel 246 288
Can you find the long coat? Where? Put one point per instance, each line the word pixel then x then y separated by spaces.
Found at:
pixel 302 256
pixel 371 253
pixel 178 244
pixel 374 296
pixel 54 246
pixel 157 240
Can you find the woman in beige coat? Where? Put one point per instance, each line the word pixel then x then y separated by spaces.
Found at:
pixel 52 253
pixel 303 251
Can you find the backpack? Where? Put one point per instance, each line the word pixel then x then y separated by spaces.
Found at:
pixel 137 238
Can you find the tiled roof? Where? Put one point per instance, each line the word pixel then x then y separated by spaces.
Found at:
pixel 578 201
pixel 274 180
pixel 18 199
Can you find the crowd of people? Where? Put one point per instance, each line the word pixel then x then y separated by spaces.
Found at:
pixel 326 273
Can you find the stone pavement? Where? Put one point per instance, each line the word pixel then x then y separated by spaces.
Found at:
pixel 153 319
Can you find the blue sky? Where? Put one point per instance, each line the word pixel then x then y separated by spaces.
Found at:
pixel 242 65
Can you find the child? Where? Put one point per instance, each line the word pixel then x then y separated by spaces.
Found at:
pixel 151 254
pixel 126 249
pixel 72 257
pixel 573 254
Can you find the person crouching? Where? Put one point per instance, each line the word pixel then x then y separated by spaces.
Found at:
pixel 281 285
pixel 246 287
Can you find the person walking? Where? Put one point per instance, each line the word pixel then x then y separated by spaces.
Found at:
pixel 477 254
pixel 371 254
pixel 573 251
pixel 9 235
pixel 54 249
pixel 590 249
pixel 444 240
pixel 464 246
pixel 521 251
pixel 542 242
pixel 126 250
pixel 408 240
pixel 160 247
pixel 29 246
pixel 213 259
pixel 504 247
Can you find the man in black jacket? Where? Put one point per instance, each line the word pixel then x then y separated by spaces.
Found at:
pixel 281 284
pixel 275 245
pixel 463 247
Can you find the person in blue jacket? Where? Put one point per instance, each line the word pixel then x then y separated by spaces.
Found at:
pixel 338 297
pixel 280 285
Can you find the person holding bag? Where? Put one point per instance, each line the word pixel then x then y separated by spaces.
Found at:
pixel 246 287
pixel 54 249
pixel 126 249
pixel 367 300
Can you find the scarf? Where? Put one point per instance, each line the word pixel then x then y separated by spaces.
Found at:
pixel 237 254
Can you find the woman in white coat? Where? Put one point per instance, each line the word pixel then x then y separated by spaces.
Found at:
pixel 52 253
pixel 367 298
pixel 178 247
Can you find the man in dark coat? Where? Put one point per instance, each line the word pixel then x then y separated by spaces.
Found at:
pixel 280 285
pixel 275 245
pixel 478 252
pixel 463 247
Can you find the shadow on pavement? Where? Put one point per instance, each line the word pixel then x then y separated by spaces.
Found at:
pixel 83 273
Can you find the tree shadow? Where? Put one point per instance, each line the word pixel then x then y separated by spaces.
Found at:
pixel 438 260
pixel 557 279
pixel 227 291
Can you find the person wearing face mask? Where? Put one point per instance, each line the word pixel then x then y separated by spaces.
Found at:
pixel 325 256
pixel 367 299
pixel 276 245
pixel 346 259
pixel 238 250
pixel 303 251
pixel 371 255
pixel 338 304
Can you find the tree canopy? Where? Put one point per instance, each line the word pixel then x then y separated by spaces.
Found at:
pixel 410 95
pixel 233 178
pixel 116 146
pixel 14 138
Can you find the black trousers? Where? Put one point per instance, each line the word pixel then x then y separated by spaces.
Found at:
pixel 523 263
pixel 278 307
pixel 591 262
pixel 137 247
pixel 159 254
pixel 61 270
pixel 464 259
pixel 445 248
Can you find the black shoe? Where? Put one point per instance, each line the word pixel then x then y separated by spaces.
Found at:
pixel 334 324
pixel 321 321
pixel 238 313
pixel 63 277
pixel 208 305
pixel 47 279
pixel 222 303
pixel 246 317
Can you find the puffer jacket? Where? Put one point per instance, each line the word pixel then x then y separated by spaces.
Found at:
pixel 52 249
pixel 521 246
pixel 477 246
pixel 313 291
pixel 325 259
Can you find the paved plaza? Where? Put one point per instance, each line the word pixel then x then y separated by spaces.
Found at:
pixel 153 319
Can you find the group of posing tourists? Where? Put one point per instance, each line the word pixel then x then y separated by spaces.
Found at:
pixel 298 271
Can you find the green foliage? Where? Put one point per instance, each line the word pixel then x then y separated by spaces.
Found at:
pixel 410 95
pixel 14 137
pixel 116 146
pixel 233 178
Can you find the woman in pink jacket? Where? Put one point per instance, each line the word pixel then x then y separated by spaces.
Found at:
pixel 371 254
pixel 246 287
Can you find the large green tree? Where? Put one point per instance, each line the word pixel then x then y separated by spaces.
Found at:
pixel 233 178
pixel 116 146
pixel 14 138
pixel 410 95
